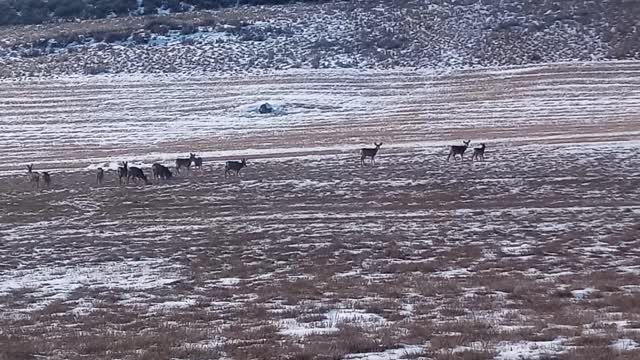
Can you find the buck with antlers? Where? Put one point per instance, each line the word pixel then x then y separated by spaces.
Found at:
pixel 369 152
pixel 458 150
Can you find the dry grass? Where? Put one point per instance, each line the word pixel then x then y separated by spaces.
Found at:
pixel 316 255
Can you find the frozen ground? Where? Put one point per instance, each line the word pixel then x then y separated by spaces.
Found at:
pixel 384 34
pixel 531 254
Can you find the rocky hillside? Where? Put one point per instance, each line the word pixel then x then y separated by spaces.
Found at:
pixel 354 34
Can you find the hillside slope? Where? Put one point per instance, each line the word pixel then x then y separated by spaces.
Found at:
pixel 357 34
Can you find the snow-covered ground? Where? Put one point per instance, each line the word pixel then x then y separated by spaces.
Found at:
pixel 336 35
pixel 530 254
pixel 86 122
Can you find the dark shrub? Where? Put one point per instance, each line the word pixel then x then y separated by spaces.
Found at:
pixel 188 29
pixel 151 6
pixel 33 11
pixel 95 69
pixel 110 36
pixel 8 15
pixel 67 8
pixel 102 8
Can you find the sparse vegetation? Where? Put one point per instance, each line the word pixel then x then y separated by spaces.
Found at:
pixel 310 255
pixel 354 34
pixel 40 11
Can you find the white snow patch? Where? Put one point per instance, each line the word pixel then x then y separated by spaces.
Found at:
pixel 353 316
pixel 625 344
pixel 582 294
pixel 58 282
pixel 168 305
pixel 391 354
pixel 528 349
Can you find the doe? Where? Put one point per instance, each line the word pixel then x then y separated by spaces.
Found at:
pixel 100 176
pixel 478 153
pixel 369 152
pixel 34 176
pixel 458 150
pixel 234 166
pixel 181 162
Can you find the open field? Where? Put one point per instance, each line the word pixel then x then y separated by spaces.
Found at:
pixel 531 254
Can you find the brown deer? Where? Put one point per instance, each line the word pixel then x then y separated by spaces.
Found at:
pixel 234 166
pixel 197 162
pixel 46 178
pixel 161 172
pixel 458 150
pixel 34 176
pixel 123 171
pixel 185 162
pixel 478 153
pixel 100 176
pixel 369 152
pixel 136 173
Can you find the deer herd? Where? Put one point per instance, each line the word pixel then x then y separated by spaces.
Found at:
pixel 127 173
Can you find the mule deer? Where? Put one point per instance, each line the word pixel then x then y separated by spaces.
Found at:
pixel 458 150
pixel 197 162
pixel 123 171
pixel 100 176
pixel 155 171
pixel 234 166
pixel 34 177
pixel 185 162
pixel 161 172
pixel 46 178
pixel 137 173
pixel 369 152
pixel 478 153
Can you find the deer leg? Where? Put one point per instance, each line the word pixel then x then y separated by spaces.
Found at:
pixel 449 157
